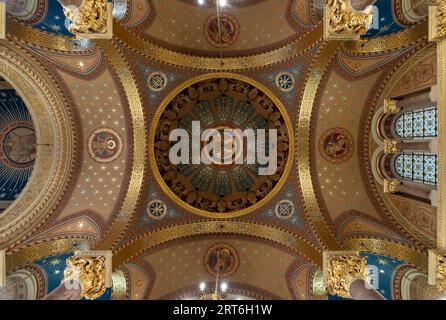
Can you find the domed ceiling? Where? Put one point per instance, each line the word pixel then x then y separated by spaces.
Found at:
pixel 255 65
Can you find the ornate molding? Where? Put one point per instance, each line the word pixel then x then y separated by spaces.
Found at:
pixel 302 137
pixel 391 146
pixel 153 51
pixel 437 21
pixel 119 285
pixel 390 106
pixel 2 268
pixel 2 20
pixel 340 268
pixel 343 22
pixel 158 237
pixel 134 189
pixel 390 249
pixel 56 144
pixel 93 19
pixel 437 269
pixel 391 185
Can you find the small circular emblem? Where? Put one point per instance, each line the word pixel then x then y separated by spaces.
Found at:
pixel 285 81
pixel 336 145
pixel 105 145
pixel 221 258
pixel 157 81
pixel 156 209
pixel 284 209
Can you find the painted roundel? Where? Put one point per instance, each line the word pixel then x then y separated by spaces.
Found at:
pixel 229 30
pixel 336 145
pixel 221 258
pixel 105 145
pixel 18 145
pixel 218 185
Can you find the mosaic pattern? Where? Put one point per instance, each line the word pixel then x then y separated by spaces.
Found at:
pixel 418 167
pixel 420 124
pixel 336 145
pixel 17 146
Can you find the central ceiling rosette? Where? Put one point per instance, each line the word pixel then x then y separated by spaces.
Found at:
pixel 224 187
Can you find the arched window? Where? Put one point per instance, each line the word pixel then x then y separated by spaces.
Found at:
pixel 421 124
pixel 417 167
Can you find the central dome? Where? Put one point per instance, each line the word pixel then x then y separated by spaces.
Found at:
pixel 222 188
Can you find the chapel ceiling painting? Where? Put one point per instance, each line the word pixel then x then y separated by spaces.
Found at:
pixel 168 65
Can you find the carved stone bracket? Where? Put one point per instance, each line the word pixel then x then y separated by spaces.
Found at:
pixel 391 185
pixel 391 146
pixel 343 22
pixel 2 268
pixel 340 268
pixel 437 269
pixel 390 106
pixel 93 19
pixel 91 270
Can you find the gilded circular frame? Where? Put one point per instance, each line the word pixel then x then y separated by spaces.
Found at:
pixel 152 133
pixel 55 134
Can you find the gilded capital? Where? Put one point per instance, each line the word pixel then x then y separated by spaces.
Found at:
pixel 437 269
pixel 91 270
pixel 390 106
pixel 391 146
pixel 391 185
pixel 93 19
pixel 343 22
pixel 340 269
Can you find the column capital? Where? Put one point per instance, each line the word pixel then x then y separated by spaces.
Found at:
pixel 437 269
pixel 391 146
pixel 91 270
pixel 391 185
pixel 343 22
pixel 340 268
pixel 93 19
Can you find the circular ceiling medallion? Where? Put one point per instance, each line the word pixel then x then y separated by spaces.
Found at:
pixel 221 258
pixel 221 102
pixel 157 81
pixel 285 81
pixel 336 145
pixel 284 209
pixel 229 30
pixel 18 145
pixel 105 145
pixel 156 209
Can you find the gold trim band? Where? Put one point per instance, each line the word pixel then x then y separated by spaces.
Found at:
pixel 195 229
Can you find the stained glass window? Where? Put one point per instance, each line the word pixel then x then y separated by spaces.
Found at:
pixel 418 167
pixel 417 124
